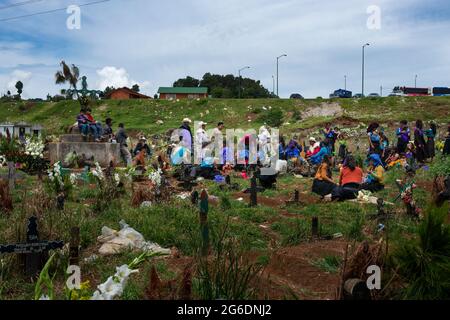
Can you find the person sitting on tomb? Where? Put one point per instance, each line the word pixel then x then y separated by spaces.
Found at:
pixel 375 178
pixel 323 183
pixel 95 126
pixel 83 124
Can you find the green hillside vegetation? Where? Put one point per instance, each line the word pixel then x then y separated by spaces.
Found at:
pixel 143 115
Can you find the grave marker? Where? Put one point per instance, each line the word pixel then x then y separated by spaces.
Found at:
pixel 315 227
pixel 35 252
pixel 11 175
pixel 194 198
pixel 204 208
pixel 296 199
pixel 253 192
pixel 74 246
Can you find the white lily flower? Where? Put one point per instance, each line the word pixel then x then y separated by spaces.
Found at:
pixel 111 289
pixel 124 272
pixel 44 297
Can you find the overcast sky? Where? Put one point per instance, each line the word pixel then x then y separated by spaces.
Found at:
pixel 154 42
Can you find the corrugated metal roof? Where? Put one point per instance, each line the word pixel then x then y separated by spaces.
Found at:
pixel 186 90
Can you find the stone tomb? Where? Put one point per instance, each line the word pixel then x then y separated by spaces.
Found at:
pixel 102 152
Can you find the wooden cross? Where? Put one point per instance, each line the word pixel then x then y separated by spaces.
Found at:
pixel 315 228
pixel 74 246
pixel 253 192
pixel 34 252
pixel 11 175
pixel 204 208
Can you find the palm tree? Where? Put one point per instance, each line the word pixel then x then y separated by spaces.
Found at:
pixel 70 75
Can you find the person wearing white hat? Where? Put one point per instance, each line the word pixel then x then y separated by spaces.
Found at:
pixel 202 140
pixel 314 147
pixel 142 145
pixel 186 133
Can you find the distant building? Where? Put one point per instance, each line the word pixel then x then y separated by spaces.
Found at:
pixel 125 94
pixel 169 93
pixel 20 129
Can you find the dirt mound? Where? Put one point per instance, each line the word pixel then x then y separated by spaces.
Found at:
pixel 324 110
pixel 290 273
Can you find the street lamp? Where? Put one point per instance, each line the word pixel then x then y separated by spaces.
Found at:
pixel 415 82
pixel 240 79
pixel 345 83
pixel 363 66
pixel 273 85
pixel 278 59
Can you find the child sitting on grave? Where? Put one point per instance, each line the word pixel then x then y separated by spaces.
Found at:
pixel 375 178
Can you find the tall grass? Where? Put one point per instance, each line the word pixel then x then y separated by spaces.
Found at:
pixel 424 264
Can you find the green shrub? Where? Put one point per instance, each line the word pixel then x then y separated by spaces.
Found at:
pixel 273 117
pixel 424 264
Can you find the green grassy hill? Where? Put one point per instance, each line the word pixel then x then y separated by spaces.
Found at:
pixel 143 115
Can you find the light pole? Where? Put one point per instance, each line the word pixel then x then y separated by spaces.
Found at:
pixel 415 82
pixel 240 79
pixel 273 85
pixel 278 59
pixel 363 66
pixel 345 83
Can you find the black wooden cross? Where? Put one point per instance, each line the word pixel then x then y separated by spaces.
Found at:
pixel 35 252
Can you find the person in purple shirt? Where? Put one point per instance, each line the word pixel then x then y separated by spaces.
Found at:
pixel 83 123
pixel 404 137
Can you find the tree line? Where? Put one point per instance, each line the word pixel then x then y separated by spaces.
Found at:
pixel 227 86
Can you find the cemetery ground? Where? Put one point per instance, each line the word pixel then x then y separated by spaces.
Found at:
pixel 268 251
pixel 274 238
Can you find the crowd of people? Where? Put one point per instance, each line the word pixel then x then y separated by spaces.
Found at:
pixel 414 147
pixel 87 125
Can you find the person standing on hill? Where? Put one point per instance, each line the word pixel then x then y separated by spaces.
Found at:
pixel 431 145
pixel 404 136
pixel 446 150
pixel 374 139
pixel 186 134
pixel 122 139
pixel 419 142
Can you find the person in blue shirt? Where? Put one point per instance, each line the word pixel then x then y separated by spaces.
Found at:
pixel 282 149
pixel 293 150
pixel 317 159
pixel 374 139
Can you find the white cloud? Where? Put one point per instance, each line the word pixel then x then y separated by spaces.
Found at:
pixel 18 75
pixel 161 41
pixel 117 78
